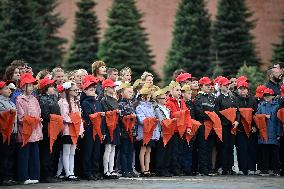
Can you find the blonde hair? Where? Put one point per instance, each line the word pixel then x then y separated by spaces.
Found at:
pixel 124 71
pixel 55 70
pixel 145 75
pixel 42 74
pixel 96 65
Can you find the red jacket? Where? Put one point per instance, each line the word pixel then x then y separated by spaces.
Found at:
pixel 174 106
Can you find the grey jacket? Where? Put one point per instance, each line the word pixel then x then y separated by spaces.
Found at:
pixel 7 104
pixel 161 116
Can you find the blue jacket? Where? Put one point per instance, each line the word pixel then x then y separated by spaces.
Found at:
pixel 144 110
pixel 274 127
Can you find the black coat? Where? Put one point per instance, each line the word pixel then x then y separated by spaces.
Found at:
pixel 245 102
pixel 89 105
pixel 109 104
pixel 48 105
pixel 204 102
pixel 223 102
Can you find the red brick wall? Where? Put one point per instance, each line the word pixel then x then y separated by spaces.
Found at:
pixel 159 19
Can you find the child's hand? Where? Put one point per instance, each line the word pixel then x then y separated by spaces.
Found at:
pixel 236 124
pixel 267 116
pixel 119 112
pixel 188 130
pixel 102 113
pixel 104 137
pixel 278 138
pixel 253 130
pixel 41 120
pixel 82 135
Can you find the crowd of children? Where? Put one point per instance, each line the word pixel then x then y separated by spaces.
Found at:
pixel 79 125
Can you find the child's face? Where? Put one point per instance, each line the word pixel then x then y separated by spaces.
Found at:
pixel 268 98
pixel 28 88
pixel 78 78
pixel 187 95
pixel 149 80
pixel 110 90
pixel 243 91
pixel 176 92
pixel 113 76
pixel 206 88
pixel 91 91
pixel 194 85
pixel 16 75
pixel 74 91
pixel 127 93
pixel 51 90
pixel 5 91
pixel 59 77
pixel 161 99
pixel 224 88
pixel 127 77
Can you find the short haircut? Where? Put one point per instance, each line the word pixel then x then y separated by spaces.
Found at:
pixel 110 70
pixel 177 72
pixel 145 75
pixel 124 71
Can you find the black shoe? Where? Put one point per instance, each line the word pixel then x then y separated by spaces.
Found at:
pixel 134 175
pixel 145 174
pixel 50 180
pixel 71 178
pixel 126 175
pixel 98 176
pixel 8 183
pixel 176 173
pixel 264 173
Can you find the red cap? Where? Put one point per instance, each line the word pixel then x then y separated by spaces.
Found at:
pixel 60 88
pixel 223 81
pixel 108 83
pixel 2 84
pixel 242 84
pixel 204 81
pixel 242 78
pixel 217 79
pixel 88 84
pixel 183 77
pixel 90 78
pixel 46 81
pixel 282 90
pixel 259 91
pixel 27 78
pixel 268 91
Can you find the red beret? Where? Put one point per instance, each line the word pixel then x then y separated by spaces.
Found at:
pixel 183 77
pixel 204 81
pixel 27 78
pixel 108 83
pixel 46 81
pixel 242 84
pixel 259 91
pixel 223 81
pixel 268 91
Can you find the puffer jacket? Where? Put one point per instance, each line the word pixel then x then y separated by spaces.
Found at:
pixel 28 105
pixel 274 126
pixel 7 104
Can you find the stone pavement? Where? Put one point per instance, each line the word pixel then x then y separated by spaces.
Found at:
pixel 219 182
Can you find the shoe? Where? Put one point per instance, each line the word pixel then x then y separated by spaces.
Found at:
pixel 134 175
pixel 60 177
pixel 211 173
pixel 145 174
pixel 251 172
pixel 26 182
pixel 257 172
pixel 50 180
pixel 114 175
pixel 107 175
pixel 231 172
pixel 264 173
pixel 126 175
pixel 220 171
pixel 240 173
pixel 34 181
pixel 71 178
pixel 276 173
pixel 8 183
pixel 136 172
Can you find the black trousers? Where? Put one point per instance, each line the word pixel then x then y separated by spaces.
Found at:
pixel 46 158
pixel 162 157
pixel 91 154
pixel 174 149
pixel 8 158
pixel 205 148
pixel 282 153
pixel 246 151
pixel 126 155
pixel 227 148
pixel 270 157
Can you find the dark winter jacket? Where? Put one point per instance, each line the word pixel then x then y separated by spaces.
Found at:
pixel 203 102
pixel 48 105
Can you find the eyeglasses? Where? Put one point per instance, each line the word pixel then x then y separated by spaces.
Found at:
pixel 76 90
